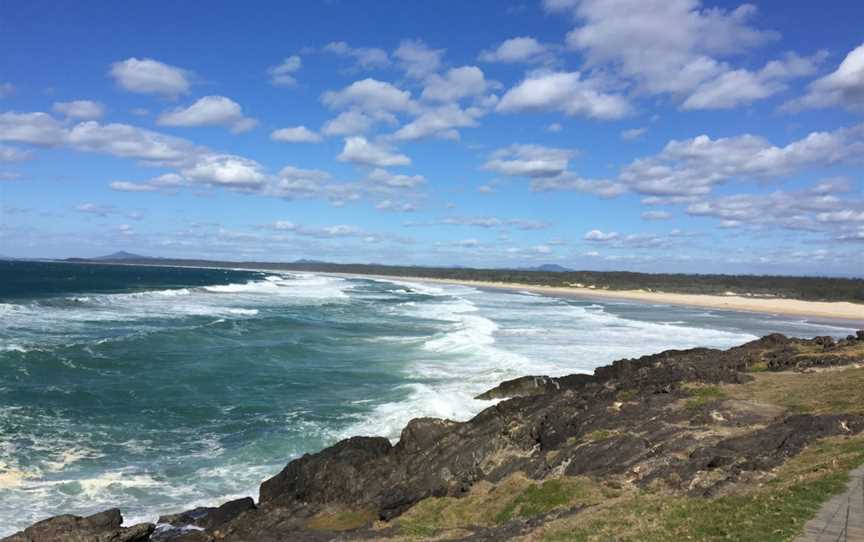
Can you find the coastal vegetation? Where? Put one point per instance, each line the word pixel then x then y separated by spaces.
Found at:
pixel 788 287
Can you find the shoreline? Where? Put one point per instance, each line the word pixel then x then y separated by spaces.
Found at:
pixel 839 311
pixel 843 311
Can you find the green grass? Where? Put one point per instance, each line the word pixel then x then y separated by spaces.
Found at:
pixel 774 513
pixel 541 498
pixel 703 395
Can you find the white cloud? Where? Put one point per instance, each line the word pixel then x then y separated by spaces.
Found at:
pixel 418 59
pixel 656 215
pixel 148 76
pixel 633 134
pixel 80 109
pixel 33 128
pixel 555 127
pixel 565 92
pixel 366 57
pixel 529 161
pixel 226 170
pixel 354 122
pixel 280 75
pixel 14 154
pixel 395 206
pixel 165 182
pixel 6 89
pixel 670 45
pixel 128 141
pixel 843 87
pixel 573 182
pixel 359 150
pixel 733 88
pixel 456 84
pixel 95 209
pixel 370 95
pixel 694 166
pixel 521 49
pixel 126 186
pixel 339 230
pixel 384 177
pixel 438 122
pixel 295 134
pixel 209 111
pixel 601 237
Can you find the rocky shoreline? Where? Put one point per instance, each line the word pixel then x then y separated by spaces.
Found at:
pixel 664 422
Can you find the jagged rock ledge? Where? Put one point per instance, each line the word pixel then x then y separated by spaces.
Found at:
pixel 632 422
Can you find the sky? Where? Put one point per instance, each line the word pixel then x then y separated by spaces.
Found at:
pixel 645 135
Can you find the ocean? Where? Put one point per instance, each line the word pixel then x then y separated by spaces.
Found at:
pixel 159 389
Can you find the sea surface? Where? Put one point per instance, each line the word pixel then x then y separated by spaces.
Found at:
pixel 159 389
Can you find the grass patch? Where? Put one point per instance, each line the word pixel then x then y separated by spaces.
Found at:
pixel 516 497
pixel 774 513
pixel 542 498
pixel 837 391
pixel 342 520
pixel 702 395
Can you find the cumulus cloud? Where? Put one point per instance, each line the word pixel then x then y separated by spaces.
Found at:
pixel 395 206
pixel 228 171
pixel 148 76
pixel 295 134
pixel 455 84
pixel 733 88
pixel 80 109
pixel 339 230
pixel 680 48
pixel 383 177
pixel 529 161
pixel 441 122
pixel 370 95
pixel 365 57
pixel 816 209
pixel 521 49
pixel 281 74
pixel 167 182
pixel 566 92
pixel 844 87
pixel 417 59
pixel 359 150
pixel 694 166
pixel 569 181
pixel 209 111
pixel 656 215
pixel 354 122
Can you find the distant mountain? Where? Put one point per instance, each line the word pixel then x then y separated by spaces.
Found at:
pixel 548 267
pixel 2 257
pixel 123 255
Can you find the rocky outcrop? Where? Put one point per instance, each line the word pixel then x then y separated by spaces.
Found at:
pixel 102 527
pixel 653 420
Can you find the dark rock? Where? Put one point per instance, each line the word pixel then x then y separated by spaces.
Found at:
pixel 208 518
pixel 860 334
pixel 102 527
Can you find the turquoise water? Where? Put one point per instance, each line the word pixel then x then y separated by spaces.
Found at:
pixel 158 389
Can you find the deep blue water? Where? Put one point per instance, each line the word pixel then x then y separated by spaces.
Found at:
pixel 157 389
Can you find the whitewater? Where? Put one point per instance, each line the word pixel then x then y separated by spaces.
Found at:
pixel 194 390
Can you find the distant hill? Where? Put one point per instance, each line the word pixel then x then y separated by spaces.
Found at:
pixel 123 255
pixel 548 268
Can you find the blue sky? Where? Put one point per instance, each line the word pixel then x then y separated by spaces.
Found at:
pixel 661 135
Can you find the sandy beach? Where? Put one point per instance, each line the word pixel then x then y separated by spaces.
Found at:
pixel 834 310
